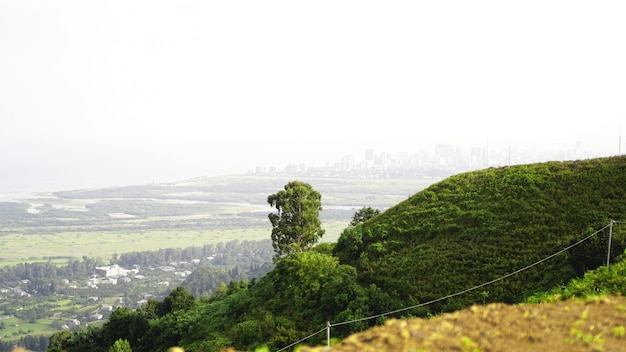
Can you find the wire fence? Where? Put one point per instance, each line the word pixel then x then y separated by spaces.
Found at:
pixel 376 316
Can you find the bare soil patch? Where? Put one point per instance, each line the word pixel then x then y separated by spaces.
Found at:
pixel 573 325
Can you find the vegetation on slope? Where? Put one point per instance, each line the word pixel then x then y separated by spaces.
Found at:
pixel 464 231
pixel 586 314
pixel 604 280
pixel 475 227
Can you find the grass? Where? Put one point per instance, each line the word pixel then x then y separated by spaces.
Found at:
pixel 16 328
pixel 19 248
pixel 39 327
pixel 56 261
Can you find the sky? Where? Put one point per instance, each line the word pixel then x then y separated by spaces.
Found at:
pixel 103 93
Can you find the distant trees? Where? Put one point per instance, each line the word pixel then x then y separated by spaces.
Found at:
pixel 296 226
pixel 363 215
pixel 43 276
pixel 28 342
pixel 230 253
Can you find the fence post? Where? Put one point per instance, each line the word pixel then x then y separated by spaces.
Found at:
pixel 327 335
pixel 608 252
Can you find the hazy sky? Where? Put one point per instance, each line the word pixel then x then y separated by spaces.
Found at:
pixel 97 93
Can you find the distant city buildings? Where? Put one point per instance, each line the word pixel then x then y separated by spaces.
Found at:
pixel 442 161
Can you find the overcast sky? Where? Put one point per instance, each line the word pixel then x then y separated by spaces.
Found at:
pixel 96 93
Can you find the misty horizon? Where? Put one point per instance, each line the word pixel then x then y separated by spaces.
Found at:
pixel 34 176
pixel 109 93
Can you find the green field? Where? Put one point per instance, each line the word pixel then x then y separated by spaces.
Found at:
pixel 103 222
pixel 15 328
pixel 20 248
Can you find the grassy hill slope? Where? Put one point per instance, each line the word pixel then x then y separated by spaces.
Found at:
pixel 477 226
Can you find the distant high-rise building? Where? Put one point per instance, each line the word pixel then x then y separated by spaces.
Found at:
pixel 347 163
pixel 369 154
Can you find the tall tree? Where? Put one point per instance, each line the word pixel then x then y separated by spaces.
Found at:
pixel 296 226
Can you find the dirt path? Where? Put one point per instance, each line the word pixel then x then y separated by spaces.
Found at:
pixel 573 325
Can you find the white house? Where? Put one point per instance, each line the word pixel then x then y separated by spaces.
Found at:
pixel 111 270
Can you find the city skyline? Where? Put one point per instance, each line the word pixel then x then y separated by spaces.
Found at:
pixel 445 159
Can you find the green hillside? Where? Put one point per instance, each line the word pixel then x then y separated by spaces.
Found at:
pixel 475 227
pixel 461 232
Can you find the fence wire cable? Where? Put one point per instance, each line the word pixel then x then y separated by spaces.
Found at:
pixel 306 338
pixel 475 287
pixel 456 293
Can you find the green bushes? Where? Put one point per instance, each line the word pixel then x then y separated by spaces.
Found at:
pixel 603 280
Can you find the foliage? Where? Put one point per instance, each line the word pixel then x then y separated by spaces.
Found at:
pixel 603 280
pixel 477 226
pixel 30 343
pixel 43 276
pixel 120 345
pixel 363 215
pixel 178 299
pixel 151 328
pixel 304 291
pixel 459 233
pixel 296 225
pixel 44 296
pixel 230 253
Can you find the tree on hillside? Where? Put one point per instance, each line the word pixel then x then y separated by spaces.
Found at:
pixel 120 345
pixel 178 299
pixel 296 226
pixel 363 214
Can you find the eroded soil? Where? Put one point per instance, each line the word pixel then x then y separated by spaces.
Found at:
pixel 572 325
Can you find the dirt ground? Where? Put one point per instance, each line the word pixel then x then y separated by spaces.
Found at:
pixel 573 325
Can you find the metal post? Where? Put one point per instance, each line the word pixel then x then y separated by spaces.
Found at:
pixel 327 335
pixel 608 252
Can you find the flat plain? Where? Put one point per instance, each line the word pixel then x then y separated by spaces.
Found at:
pixel 100 223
